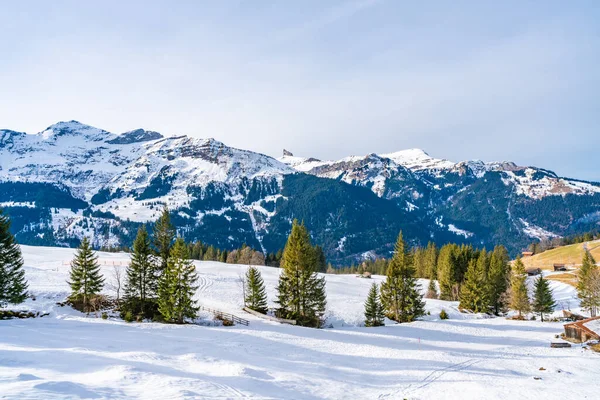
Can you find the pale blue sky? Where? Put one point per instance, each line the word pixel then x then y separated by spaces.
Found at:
pixel 509 80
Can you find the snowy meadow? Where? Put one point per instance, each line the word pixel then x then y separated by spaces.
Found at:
pixel 68 355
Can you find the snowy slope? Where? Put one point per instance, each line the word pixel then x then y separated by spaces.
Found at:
pixel 70 356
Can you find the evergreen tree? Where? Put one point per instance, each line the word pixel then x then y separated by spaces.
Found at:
pixel 320 259
pixel 400 292
pixel 498 279
pixel 142 279
pixel 431 255
pixel 210 254
pixel 432 292
pixel 13 286
pixel 519 298
pixel 374 313
pixel 255 292
pixel 588 284
pixel 177 286
pixel 419 262
pixel 543 300
pixel 164 234
pixel 301 292
pixel 446 268
pixel 473 292
pixel 85 279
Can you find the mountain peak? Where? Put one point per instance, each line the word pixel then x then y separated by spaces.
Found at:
pixel 73 127
pixel 136 136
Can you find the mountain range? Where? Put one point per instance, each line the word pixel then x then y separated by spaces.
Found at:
pixel 73 180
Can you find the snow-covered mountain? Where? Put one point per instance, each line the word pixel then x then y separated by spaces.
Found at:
pixel 72 180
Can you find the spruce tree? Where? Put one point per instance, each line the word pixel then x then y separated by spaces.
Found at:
pixel 588 284
pixel 432 292
pixel 498 279
pixel 164 234
pixel 446 271
pixel 177 286
pixel 519 298
pixel 400 291
pixel 431 255
pixel 255 292
pixel 142 279
pixel 473 292
pixel 543 300
pixel 301 292
pixel 85 278
pixel 13 286
pixel 374 313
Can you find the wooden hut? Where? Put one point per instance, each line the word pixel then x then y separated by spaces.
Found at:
pixel 527 254
pixel 579 332
pixel 533 271
pixel 560 267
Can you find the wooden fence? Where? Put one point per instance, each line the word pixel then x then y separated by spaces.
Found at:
pixel 268 317
pixel 233 318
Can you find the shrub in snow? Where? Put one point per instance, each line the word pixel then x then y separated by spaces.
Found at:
pixel 444 315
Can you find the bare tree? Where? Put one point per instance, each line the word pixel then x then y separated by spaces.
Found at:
pixel 117 282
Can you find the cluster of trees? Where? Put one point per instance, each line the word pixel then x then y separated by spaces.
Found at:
pixel 519 300
pixel 398 297
pixel 548 244
pixel 13 286
pixel 160 278
pixel 300 290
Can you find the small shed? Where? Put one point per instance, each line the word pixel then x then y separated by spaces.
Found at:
pixel 560 267
pixel 581 331
pixel 527 253
pixel 366 274
pixel 533 271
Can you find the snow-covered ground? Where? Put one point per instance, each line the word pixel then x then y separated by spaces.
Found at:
pixel 68 355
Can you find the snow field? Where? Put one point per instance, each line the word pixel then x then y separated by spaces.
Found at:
pixel 69 356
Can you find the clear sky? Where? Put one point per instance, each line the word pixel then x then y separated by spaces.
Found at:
pixel 493 80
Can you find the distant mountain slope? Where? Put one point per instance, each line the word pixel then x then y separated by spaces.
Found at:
pixel 72 180
pixel 570 255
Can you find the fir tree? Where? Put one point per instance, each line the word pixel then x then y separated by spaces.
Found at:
pixel 13 286
pixel 142 279
pixel 400 292
pixel 374 313
pixel 431 255
pixel 255 293
pixel 473 292
pixel 301 292
pixel 85 279
pixel 446 272
pixel 177 286
pixel 498 279
pixel 164 234
pixel 519 298
pixel 543 300
pixel 432 292
pixel 588 289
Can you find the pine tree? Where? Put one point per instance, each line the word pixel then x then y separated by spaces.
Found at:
pixel 400 292
pixel 419 262
pixel 142 279
pixel 177 286
pixel 85 278
pixel 255 292
pixel 543 300
pixel 301 292
pixel 164 234
pixel 588 289
pixel 519 298
pixel 498 279
pixel 374 313
pixel 473 292
pixel 13 286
